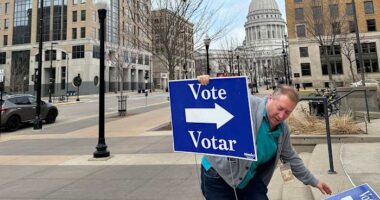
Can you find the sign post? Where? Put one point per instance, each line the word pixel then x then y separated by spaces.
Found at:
pixel 77 82
pixel 213 119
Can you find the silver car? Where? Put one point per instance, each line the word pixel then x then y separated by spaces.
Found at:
pixel 21 108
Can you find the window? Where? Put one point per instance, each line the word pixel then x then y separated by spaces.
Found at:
pixel 335 50
pixel 368 7
pixel 336 68
pixel 83 15
pixel 334 11
pixel 304 52
pixel 53 55
pixel 63 55
pixel 96 51
pixel 74 33
pixel 371 25
pixel 6 23
pixel 305 69
pixel 83 32
pixel 371 65
pixel 78 51
pixel 299 14
pixel 146 60
pixel 297 1
pixel 367 48
pixel 318 29
pixel 317 12
pixel 335 27
pixel 63 78
pixel 296 75
pixel 5 40
pixel 349 9
pixel 301 31
pixel 75 2
pixel 6 8
pixel 351 26
pixel 75 13
pixel 3 57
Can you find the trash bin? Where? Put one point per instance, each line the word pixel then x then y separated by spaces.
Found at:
pixel 122 105
pixel 316 108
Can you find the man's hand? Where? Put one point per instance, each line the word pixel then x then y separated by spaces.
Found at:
pixel 324 188
pixel 204 79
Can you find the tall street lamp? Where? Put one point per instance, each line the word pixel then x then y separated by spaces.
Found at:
pixel 101 148
pixel 284 55
pixel 51 80
pixel 37 124
pixel 238 64
pixel 207 42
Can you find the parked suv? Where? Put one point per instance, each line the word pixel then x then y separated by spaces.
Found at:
pixel 21 108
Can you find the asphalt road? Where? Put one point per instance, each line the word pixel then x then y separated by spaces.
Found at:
pixel 77 115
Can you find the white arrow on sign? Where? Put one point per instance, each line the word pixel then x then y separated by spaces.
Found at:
pixel 217 115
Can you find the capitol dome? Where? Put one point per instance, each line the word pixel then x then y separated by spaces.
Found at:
pixel 257 5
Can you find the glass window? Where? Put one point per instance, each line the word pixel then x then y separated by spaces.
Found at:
pixel 336 27
pixel 75 13
pixel 297 1
pixel 6 23
pixel 318 29
pixel 317 12
pixel 334 11
pixel 349 9
pixel 305 69
pixel 300 31
pixel 74 33
pixel 53 55
pixel 351 26
pixel 75 2
pixel 6 8
pixel 5 40
pixel 96 51
pixel 368 7
pixel 304 52
pixel 3 57
pixel 371 25
pixel 83 32
pixel 78 51
pixel 299 14
pixel 83 15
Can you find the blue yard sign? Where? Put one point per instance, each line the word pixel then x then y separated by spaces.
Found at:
pixel 361 192
pixel 213 119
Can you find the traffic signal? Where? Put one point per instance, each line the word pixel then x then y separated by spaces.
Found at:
pixel 146 75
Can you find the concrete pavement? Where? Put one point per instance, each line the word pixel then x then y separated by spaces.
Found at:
pixel 142 166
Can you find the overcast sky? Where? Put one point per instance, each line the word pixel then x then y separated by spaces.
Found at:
pixel 239 10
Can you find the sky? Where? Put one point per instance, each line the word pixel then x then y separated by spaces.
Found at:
pixel 238 9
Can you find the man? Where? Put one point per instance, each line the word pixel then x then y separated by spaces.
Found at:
pixel 229 178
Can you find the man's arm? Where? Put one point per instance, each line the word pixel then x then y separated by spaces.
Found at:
pixel 298 167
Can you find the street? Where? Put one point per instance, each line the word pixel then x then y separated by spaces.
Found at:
pixel 75 115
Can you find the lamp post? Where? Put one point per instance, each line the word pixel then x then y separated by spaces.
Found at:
pixel 231 53
pixel 238 64
pixel 67 77
pixel 207 42
pixel 284 55
pixel 51 80
pixel 37 124
pixel 101 148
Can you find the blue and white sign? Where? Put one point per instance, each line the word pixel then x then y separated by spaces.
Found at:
pixel 361 192
pixel 213 119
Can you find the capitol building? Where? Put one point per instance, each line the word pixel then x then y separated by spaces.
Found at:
pixel 265 40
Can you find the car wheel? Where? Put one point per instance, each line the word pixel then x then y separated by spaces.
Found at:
pixel 12 123
pixel 51 116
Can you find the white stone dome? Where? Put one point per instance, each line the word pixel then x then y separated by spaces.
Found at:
pixel 257 5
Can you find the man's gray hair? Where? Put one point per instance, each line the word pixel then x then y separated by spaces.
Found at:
pixel 288 91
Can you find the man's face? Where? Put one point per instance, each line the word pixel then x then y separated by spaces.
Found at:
pixel 279 109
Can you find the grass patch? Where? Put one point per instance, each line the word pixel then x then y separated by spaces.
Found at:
pixel 301 122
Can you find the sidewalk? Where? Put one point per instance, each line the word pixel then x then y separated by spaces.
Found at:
pixel 142 166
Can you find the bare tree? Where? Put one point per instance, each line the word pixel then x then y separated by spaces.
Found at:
pixel 324 22
pixel 163 28
pixel 347 42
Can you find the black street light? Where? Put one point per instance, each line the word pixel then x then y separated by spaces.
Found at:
pixel 37 124
pixel 284 55
pixel 51 80
pixel 207 42
pixel 101 148
pixel 238 64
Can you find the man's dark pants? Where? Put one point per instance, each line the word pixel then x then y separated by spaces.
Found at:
pixel 215 188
